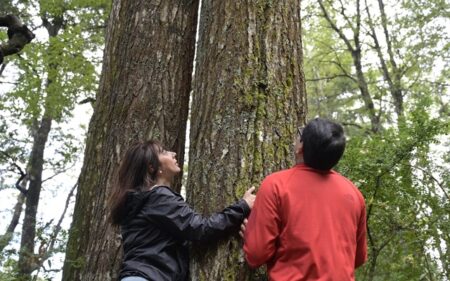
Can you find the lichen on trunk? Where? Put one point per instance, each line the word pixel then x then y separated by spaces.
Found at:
pixel 144 93
pixel 248 97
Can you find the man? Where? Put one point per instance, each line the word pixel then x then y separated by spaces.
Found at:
pixel 309 222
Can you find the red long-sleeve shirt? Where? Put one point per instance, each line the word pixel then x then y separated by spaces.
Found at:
pixel 307 225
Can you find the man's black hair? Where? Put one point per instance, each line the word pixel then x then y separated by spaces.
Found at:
pixel 323 144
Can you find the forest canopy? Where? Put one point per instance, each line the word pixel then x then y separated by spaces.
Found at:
pixel 381 68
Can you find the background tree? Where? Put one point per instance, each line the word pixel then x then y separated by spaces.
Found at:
pixel 144 93
pixel 399 50
pixel 53 73
pixel 248 98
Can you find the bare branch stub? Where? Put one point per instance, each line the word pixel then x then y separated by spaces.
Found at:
pixel 18 36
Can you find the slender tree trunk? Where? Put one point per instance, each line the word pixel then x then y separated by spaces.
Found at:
pixel 354 48
pixel 144 93
pixel 364 89
pixel 248 97
pixel 27 262
pixel 393 75
pixel 372 266
pixel 362 82
pixel 444 258
pixel 27 257
pixel 395 86
pixel 8 235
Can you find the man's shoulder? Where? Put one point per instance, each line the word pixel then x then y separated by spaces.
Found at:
pixel 342 178
pixel 351 185
pixel 277 180
pixel 278 175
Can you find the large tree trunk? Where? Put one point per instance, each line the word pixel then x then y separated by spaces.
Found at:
pixel 144 93
pixel 248 97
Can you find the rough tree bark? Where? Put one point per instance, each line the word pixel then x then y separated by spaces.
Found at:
pixel 248 97
pixel 144 93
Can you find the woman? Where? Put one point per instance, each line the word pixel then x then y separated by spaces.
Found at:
pixel 156 223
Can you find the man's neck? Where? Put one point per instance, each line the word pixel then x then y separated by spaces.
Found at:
pixel 299 160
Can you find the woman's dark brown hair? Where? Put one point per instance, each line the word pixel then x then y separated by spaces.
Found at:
pixel 137 172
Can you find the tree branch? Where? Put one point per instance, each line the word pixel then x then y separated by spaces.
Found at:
pixel 388 240
pixel 8 235
pixel 29 64
pixel 440 184
pixel 341 67
pixel 11 83
pixel 19 180
pixel 18 36
pixel 427 262
pixel 358 24
pixel 329 78
pixel 371 240
pixel 335 28
pixel 347 19
pixel 58 173
pixel 377 48
pixel 21 172
pixel 396 90
pixel 48 250
pixel 352 124
pixel 384 24
pixel 2 68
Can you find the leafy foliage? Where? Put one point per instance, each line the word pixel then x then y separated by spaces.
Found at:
pixel 405 201
pixel 401 169
pixel 47 80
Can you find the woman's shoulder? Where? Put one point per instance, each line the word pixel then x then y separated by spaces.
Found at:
pixel 135 199
pixel 161 199
pixel 162 190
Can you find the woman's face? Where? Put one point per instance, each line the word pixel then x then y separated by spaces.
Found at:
pixel 168 164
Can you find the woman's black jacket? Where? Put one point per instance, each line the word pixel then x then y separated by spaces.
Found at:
pixel 157 228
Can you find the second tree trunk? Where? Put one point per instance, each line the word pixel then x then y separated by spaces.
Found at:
pixel 248 97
